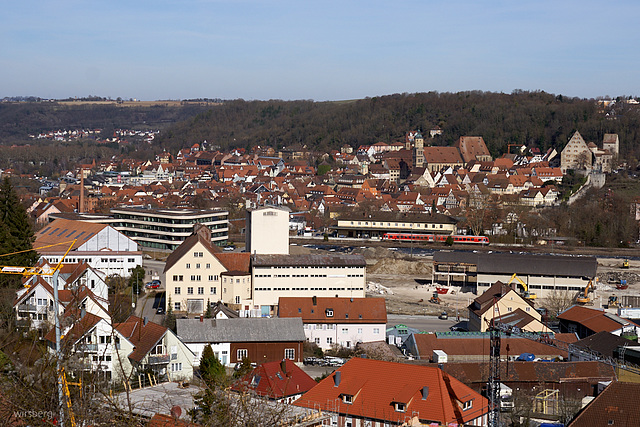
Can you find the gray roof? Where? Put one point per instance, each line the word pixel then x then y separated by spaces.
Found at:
pixel 523 264
pixel 251 329
pixel 338 260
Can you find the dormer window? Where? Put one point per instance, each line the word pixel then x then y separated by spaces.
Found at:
pixel 329 312
pixel 467 405
pixel 347 398
pixel 400 407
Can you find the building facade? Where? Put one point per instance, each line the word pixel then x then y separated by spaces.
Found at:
pixel 267 230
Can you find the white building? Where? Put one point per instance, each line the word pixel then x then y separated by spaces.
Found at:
pixel 99 245
pixel 267 230
pixel 338 321
pixel 275 276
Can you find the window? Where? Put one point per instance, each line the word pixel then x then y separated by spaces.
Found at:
pixel 400 407
pixel 329 340
pixel 178 278
pixel 207 266
pixel 347 398
pixel 201 291
pixel 190 290
pixel 237 299
pixel 198 265
pixel 212 290
pixel 198 254
pixel 329 312
pixel 290 353
pixel 359 330
pixel 317 340
pixel 467 405
pixel 176 367
pixel 345 330
pixel 176 306
pixel 377 331
pixel 176 291
pixel 188 266
pixel 242 353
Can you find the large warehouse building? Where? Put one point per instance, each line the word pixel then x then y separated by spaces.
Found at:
pixel 476 272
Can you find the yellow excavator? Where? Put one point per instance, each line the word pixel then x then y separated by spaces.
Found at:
pixel 584 298
pixel 526 294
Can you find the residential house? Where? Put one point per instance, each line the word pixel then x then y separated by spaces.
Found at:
pixel 283 381
pixel 376 393
pixel 330 321
pixel 502 300
pixel 586 321
pixel 232 340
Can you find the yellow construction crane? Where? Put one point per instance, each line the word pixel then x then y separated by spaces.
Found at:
pixel 65 388
pixel 526 293
pixel 49 271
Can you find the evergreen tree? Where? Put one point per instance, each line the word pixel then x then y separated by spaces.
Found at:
pixel 169 320
pixel 16 233
pixel 211 369
pixel 136 279
pixel 207 313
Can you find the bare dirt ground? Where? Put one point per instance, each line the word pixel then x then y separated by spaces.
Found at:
pixel 405 282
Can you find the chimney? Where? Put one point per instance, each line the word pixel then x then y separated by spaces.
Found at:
pixel 314 300
pixel 283 366
pixel 336 379
pixel 425 392
pixel 145 320
pixel 81 202
pixel 201 318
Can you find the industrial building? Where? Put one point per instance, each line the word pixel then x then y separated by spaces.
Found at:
pixel 476 272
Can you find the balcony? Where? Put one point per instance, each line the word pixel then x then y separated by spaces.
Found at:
pixel 27 307
pixel 88 348
pixel 158 359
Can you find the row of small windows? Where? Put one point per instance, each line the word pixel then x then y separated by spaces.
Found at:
pixel 402 224
pixel 178 290
pixel 88 260
pixel 309 289
pixel 194 278
pixel 308 266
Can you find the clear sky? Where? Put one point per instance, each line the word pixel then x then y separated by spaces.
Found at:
pixel 321 50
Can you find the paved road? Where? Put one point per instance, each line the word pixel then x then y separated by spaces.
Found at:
pixel 149 301
pixel 423 323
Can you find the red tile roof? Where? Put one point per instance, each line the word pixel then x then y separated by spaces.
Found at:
pixel 235 262
pixel 595 320
pixel 271 381
pixel 375 387
pixel 343 310
pixel 617 405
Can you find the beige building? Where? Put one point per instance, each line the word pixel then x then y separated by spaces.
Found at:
pixel 197 272
pixel 502 304
pixel 267 230
pixel 576 154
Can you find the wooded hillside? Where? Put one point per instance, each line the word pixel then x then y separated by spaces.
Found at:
pixel 532 118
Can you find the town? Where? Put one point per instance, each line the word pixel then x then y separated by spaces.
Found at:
pixel 396 283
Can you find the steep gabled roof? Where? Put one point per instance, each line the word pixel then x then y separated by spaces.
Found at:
pixel 244 329
pixel 186 246
pixel 143 337
pixel 276 380
pixel 64 230
pixel 376 386
pixel 617 405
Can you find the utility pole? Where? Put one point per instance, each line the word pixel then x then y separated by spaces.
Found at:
pixel 58 353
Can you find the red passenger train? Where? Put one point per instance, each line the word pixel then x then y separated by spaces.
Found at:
pixel 412 237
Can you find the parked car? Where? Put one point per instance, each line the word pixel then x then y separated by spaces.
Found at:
pixel 160 310
pixel 154 284
pixel 229 248
pixel 443 315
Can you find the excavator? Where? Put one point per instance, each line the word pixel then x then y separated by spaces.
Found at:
pixel 526 294
pixel 613 301
pixel 584 298
pixel 435 298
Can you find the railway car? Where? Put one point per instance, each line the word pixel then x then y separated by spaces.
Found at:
pixel 430 238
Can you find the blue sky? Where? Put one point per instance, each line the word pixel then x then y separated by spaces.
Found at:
pixel 328 50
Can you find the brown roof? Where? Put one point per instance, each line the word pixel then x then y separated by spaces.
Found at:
pixel 143 337
pixel 543 372
pixel 161 420
pixel 471 147
pixel 342 310
pixel 270 380
pixel 617 405
pixel 595 320
pixel 80 328
pixel 235 262
pixel 478 345
pixel 447 155
pixel 64 230
pixel 186 246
